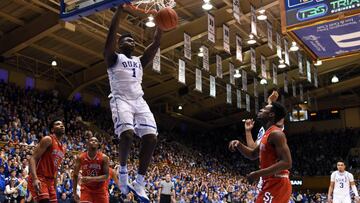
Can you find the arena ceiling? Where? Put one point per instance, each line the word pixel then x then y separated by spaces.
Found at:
pixel 31 36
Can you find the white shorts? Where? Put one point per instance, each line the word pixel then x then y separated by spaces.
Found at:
pixel 341 199
pixel 132 115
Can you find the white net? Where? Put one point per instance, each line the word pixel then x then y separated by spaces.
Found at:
pixel 148 5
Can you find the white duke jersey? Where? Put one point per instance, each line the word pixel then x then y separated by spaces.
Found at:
pixel 125 77
pixel 342 182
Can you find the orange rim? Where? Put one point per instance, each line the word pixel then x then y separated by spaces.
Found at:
pixel 152 11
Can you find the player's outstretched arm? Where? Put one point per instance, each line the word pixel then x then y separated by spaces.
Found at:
pixel 151 50
pixel 248 152
pixel 110 44
pixel 76 178
pixel 249 124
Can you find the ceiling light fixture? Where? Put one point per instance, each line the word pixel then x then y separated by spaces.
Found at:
pixel 207 5
pixel 237 74
pixel 263 81
pixel 334 79
pixel 150 22
pixel 281 64
pixel 318 63
pixel 294 47
pixel 54 63
pixel 251 39
pixel 201 52
pixel 262 15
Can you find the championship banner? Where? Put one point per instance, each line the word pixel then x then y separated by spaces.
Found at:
pixel 286 83
pixel 269 34
pixel 300 63
pixel 236 10
pixel 265 93
pixel 275 82
pixel 156 61
pixel 301 92
pixel 263 67
pixel 253 20
pixel 226 38
pixel 278 46
pixel 198 78
pixel 239 56
pixel 253 59
pixel 232 72
pixel 228 93
pixel 286 50
pixel 316 82
pixel 206 58
pixel 181 71
pixel 238 99
pixel 308 70
pixel 187 46
pixel 255 88
pixel 256 105
pixel 247 102
pixel 219 72
pixel 244 80
pixel 293 88
pixel 212 86
pixel 211 28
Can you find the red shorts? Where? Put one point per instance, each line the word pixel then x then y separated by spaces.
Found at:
pixel 275 190
pixel 91 197
pixel 47 189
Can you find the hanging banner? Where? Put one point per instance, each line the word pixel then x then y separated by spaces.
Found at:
pixel 301 92
pixel 226 38
pixel 187 46
pixel 247 102
pixel 253 59
pixel 286 83
pixel 308 70
pixel 232 72
pixel 293 88
pixel 265 93
pixel 156 61
pixel 244 80
pixel 263 67
pixel 255 88
pixel 206 58
pixel 256 105
pixel 286 50
pixel 316 82
pixel 228 93
pixel 238 99
pixel 211 28
pixel 275 82
pixel 181 77
pixel 300 63
pixel 219 72
pixel 212 86
pixel 269 35
pixel 253 20
pixel 278 46
pixel 198 84
pixel 239 56
pixel 236 10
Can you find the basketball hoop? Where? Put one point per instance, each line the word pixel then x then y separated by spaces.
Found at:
pixel 151 6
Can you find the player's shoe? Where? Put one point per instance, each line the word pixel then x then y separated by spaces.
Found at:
pixel 123 182
pixel 139 191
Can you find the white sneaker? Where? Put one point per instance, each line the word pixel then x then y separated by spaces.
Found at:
pixel 139 191
pixel 123 182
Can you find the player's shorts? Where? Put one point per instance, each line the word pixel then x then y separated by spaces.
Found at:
pixel 341 199
pixel 275 190
pixel 47 189
pixel 132 115
pixel 90 197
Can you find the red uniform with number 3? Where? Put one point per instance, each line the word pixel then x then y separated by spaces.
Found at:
pixel 93 192
pixel 46 170
pixel 276 188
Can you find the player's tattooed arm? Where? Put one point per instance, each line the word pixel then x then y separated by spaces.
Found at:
pixel 151 50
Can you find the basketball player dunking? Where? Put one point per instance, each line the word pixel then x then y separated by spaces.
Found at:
pixel 340 183
pixel 44 164
pixel 130 112
pixel 95 172
pixel 275 157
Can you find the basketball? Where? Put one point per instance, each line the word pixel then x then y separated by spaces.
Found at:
pixel 166 19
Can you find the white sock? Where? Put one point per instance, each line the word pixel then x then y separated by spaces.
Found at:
pixel 123 169
pixel 140 179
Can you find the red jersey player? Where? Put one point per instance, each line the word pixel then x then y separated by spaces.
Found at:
pixel 44 164
pixel 275 157
pixel 95 172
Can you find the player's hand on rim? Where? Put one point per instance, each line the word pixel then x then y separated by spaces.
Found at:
pixel 233 145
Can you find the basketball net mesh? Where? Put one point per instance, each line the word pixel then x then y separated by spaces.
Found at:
pixel 148 6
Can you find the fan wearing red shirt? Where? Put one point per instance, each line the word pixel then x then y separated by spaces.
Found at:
pixel 44 164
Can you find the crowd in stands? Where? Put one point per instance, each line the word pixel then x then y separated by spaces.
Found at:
pixel 202 170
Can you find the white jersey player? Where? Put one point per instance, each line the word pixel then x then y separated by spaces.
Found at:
pixel 130 113
pixel 340 183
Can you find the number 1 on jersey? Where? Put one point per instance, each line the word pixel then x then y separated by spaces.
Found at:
pixel 134 72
